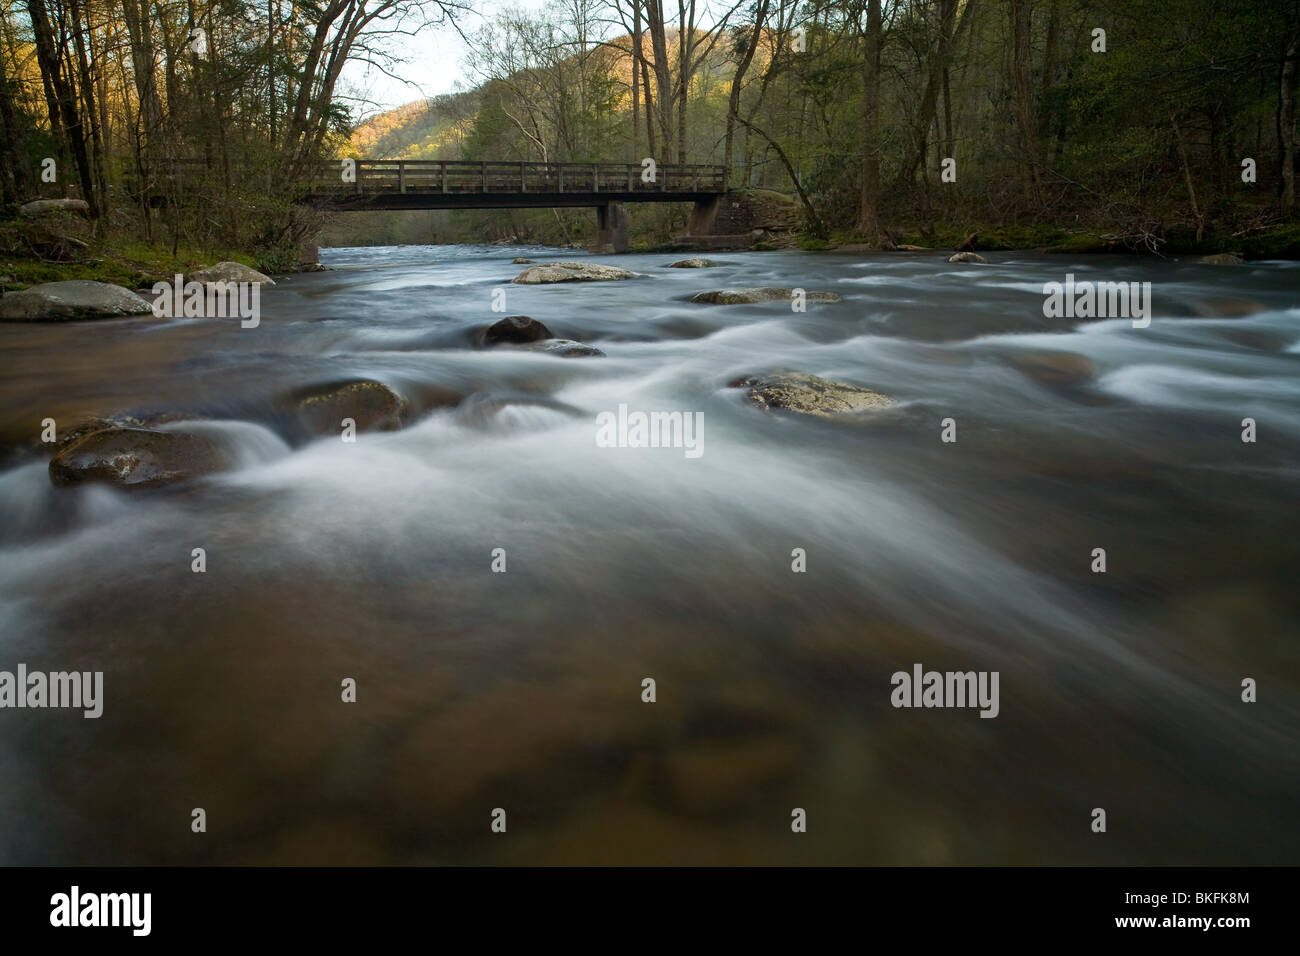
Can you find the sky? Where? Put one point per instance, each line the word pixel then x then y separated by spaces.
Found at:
pixel 433 61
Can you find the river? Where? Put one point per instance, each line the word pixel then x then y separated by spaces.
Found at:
pixel 523 690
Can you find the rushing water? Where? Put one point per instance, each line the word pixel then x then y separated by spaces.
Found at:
pixel 478 690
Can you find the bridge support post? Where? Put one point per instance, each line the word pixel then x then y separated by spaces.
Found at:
pixel 611 228
pixel 704 217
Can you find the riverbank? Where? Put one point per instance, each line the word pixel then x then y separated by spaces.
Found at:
pixel 138 265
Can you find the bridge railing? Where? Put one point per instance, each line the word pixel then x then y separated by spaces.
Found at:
pixel 462 177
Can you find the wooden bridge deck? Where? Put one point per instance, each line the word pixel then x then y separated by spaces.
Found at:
pixel 465 184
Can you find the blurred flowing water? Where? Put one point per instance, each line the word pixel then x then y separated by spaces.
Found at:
pixel 522 690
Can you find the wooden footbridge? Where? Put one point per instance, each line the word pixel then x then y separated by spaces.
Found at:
pixel 463 184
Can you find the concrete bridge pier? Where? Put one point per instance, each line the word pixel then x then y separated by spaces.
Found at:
pixel 611 228
pixel 704 217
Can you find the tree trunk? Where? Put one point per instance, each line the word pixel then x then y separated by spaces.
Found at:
pixel 15 164
pixel 636 61
pixel 1286 117
pixel 737 80
pixel 869 211
pixel 1049 66
pixel 65 99
pixel 1187 178
pixel 929 100
pixel 1020 10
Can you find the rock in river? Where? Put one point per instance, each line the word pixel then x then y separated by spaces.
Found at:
pixel 515 330
pixel 372 405
pixel 741 296
pixel 571 272
pixel 808 394
pixel 566 348
pixel 694 263
pixel 1222 259
pixel 1055 368
pixel 71 301
pixel 527 333
pixel 137 458
pixel 968 257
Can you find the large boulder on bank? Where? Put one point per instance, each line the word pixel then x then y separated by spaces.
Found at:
pixel 71 301
pixel 694 263
pixel 230 272
pixel 571 272
pixel 808 394
pixel 742 296
pixel 515 330
pixel 968 257
pixel 43 207
pixel 137 458
pixel 1223 259
pixel 372 405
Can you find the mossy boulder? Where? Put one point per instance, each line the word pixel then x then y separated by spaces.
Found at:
pixel 571 272
pixel 372 405
pixel 694 263
pixel 808 394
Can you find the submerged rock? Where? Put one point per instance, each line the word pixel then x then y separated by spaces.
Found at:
pixel 230 272
pixel 968 257
pixel 372 405
pixel 742 296
pixel 71 301
pixel 515 329
pixel 1056 368
pixel 137 458
pixel 694 263
pixel 571 272
pixel 808 394
pixel 496 411
pixel 521 261
pixel 566 348
pixel 1222 259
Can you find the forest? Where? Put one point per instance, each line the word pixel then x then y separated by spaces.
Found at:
pixel 1149 125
